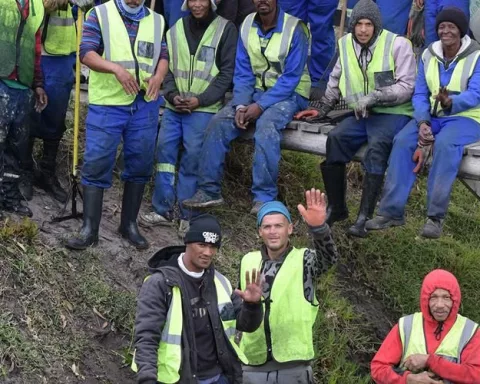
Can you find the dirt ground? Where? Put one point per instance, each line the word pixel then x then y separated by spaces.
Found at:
pixel 101 362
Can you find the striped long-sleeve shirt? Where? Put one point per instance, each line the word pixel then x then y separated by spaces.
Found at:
pixel 92 35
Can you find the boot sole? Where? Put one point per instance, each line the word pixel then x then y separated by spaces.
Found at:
pixel 141 247
pixel 207 204
pixel 389 224
pixel 355 232
pixel 80 248
pixel 151 225
pixel 430 236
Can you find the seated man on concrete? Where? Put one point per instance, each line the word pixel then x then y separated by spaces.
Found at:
pixel 447 117
pixel 271 84
pixel 375 74
pixel 202 60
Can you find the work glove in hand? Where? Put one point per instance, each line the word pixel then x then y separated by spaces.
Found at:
pixel 425 135
pixel 420 156
pixel 316 112
pixel 362 105
pixel 83 4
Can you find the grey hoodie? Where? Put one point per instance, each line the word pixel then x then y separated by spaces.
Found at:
pixel 403 56
pixel 152 307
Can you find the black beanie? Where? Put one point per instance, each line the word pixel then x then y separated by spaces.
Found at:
pixel 453 15
pixel 204 229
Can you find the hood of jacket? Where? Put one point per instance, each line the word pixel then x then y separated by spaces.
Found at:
pixel 165 261
pixel 440 278
pixel 468 46
pixel 366 9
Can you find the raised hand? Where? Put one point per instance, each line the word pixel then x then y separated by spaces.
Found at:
pixel 253 288
pixel 316 212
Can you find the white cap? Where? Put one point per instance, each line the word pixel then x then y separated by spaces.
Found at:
pixel 185 6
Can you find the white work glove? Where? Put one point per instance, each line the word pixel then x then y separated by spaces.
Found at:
pixel 83 4
pixel 362 105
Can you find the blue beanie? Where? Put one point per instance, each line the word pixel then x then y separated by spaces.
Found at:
pixel 272 207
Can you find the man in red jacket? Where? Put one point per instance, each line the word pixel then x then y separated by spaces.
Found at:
pixel 435 346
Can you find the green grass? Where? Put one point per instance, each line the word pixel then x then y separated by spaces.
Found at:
pixel 398 259
pixel 48 297
pixel 392 263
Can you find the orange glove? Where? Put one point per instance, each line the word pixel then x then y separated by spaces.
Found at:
pixel 420 156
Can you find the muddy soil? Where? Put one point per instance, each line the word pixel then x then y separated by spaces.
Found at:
pixel 125 266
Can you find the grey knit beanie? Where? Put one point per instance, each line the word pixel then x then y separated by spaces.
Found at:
pixel 366 9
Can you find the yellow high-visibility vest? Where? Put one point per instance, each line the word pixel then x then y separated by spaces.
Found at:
pixel 451 348
pixel 141 60
pixel 60 33
pixel 193 74
pixel 291 316
pixel 10 46
pixel 170 350
pixel 458 82
pixel 269 65
pixel 354 84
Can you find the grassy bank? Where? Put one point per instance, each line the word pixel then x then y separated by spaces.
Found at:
pixel 58 307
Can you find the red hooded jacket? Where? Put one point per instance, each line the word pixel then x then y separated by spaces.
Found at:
pixel 390 352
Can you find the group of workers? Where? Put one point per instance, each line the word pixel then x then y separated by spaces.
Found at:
pixel 274 61
pixel 191 326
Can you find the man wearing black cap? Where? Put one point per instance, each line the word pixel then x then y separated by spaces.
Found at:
pixel 375 75
pixel 446 106
pixel 187 314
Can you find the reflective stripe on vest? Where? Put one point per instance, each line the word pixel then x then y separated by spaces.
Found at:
pixel 269 65
pixel 169 352
pixel 141 61
pixel 60 33
pixel 193 74
pixel 10 46
pixel 291 317
pixel 353 84
pixel 451 348
pixel 458 82
pixel 224 294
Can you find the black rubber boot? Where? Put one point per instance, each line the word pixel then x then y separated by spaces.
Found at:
pixel 26 182
pixel 92 213
pixel 335 181
pixel 13 201
pixel 47 179
pixel 132 199
pixel 372 186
